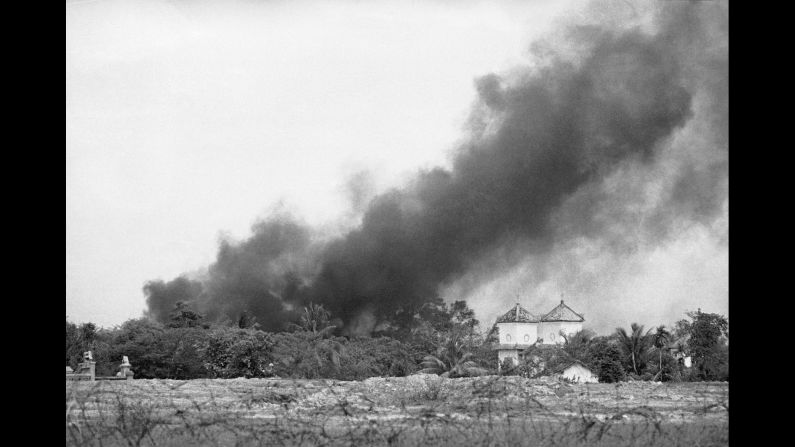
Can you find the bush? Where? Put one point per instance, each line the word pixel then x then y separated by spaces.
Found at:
pixel 233 352
pixel 605 359
pixel 423 387
pixel 370 357
pixel 142 341
pixel 544 360
pixel 611 371
pixel 670 369
pixel 507 368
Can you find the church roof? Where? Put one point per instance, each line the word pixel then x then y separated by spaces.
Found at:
pixel 562 312
pixel 568 364
pixel 518 315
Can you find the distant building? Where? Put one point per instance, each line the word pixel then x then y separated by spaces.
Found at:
pixel 577 372
pixel 560 319
pixel 678 350
pixel 518 329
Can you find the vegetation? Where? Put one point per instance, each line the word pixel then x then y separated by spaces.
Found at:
pixel 605 359
pixel 436 339
pixel 709 345
pixel 452 360
pixel 635 347
pixel 660 342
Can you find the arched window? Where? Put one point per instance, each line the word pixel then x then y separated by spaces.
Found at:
pixel 508 337
pixel 526 337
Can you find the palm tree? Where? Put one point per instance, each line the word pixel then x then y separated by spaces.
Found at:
pixel 451 360
pixel 634 345
pixel 314 328
pixel 315 319
pixel 661 338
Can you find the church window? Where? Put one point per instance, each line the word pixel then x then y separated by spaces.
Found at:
pixel 526 337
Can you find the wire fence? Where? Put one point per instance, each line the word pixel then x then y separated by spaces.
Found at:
pixel 399 411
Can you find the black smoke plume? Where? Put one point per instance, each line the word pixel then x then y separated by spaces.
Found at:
pixel 610 101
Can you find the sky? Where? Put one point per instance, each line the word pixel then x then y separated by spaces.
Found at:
pixel 188 120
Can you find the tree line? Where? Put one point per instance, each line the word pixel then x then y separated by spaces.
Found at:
pixel 694 349
pixel 441 339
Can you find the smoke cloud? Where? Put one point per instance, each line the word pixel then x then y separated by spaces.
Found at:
pixel 611 140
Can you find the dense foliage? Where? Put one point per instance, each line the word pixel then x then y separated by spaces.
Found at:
pixel 439 339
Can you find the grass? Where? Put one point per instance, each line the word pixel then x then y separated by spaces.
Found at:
pixel 408 411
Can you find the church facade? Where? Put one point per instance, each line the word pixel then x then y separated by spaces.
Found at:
pixel 518 329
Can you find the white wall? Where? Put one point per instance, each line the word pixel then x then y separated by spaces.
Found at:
pixel 579 374
pixel 518 333
pixel 550 331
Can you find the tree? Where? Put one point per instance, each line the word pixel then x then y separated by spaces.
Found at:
pixel 71 343
pixel 234 352
pixel 302 354
pixel 605 358
pixel 708 345
pixel 681 329
pixel 635 346
pixel 452 360
pixel 314 319
pixel 543 360
pixel 80 339
pixel 660 341
pixel 576 345
pixel 381 356
pixel 310 351
pixel 183 316
pixel 463 316
pixel 142 341
pixel 247 320
pixel 509 368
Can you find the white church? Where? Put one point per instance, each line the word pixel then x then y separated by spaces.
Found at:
pixel 518 329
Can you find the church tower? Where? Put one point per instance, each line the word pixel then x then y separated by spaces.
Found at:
pixel 561 318
pixel 517 330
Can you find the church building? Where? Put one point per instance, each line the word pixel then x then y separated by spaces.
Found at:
pixel 518 329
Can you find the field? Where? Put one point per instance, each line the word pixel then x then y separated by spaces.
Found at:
pixel 401 411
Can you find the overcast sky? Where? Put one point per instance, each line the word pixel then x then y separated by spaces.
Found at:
pixel 188 120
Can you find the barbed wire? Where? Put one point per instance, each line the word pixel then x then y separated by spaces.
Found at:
pixel 415 410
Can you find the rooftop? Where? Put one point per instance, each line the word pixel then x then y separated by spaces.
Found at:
pixel 568 364
pixel 518 315
pixel 562 312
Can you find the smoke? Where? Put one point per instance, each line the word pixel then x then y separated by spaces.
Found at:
pixel 161 297
pixel 610 140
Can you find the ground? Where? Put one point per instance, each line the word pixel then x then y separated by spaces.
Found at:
pixel 415 410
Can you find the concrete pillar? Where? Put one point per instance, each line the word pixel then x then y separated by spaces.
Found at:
pixel 126 368
pixel 88 367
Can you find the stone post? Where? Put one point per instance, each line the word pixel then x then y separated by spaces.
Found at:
pixel 88 366
pixel 125 368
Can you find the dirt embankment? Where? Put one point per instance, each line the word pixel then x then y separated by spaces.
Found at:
pixel 403 408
